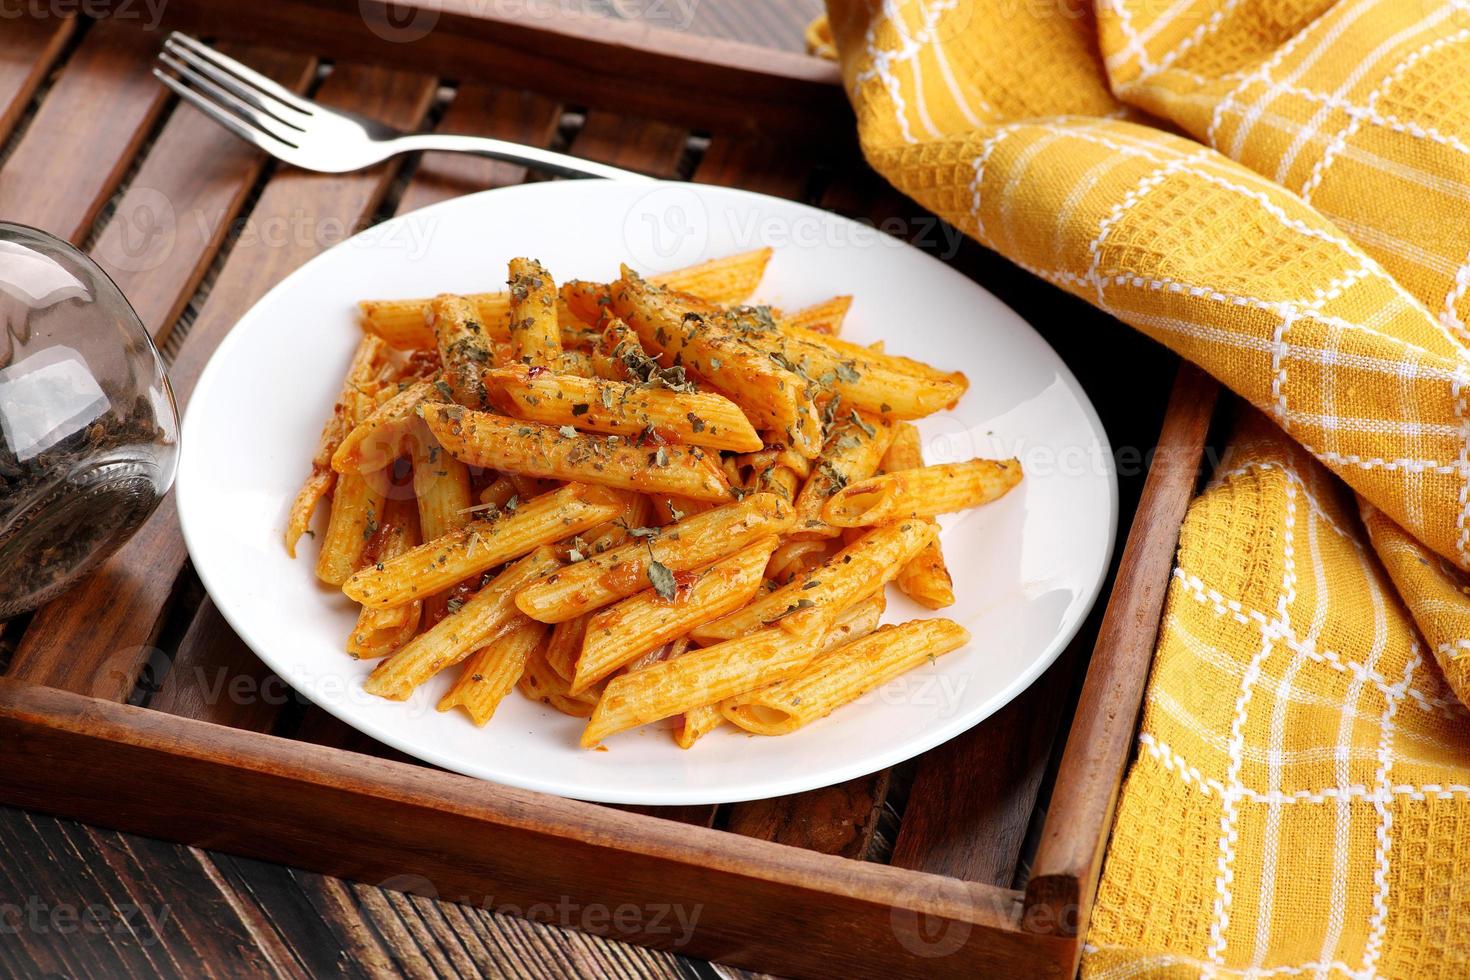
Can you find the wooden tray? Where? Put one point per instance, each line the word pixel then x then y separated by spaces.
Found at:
pixel 129 702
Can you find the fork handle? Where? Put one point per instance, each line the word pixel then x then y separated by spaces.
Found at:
pixel 559 164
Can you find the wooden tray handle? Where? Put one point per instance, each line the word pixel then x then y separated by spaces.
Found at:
pixel 1069 857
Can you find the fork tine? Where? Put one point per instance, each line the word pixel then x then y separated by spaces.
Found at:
pixel 260 100
pixel 256 137
pixel 244 73
pixel 228 101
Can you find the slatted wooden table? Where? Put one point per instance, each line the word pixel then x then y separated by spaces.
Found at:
pixel 195 226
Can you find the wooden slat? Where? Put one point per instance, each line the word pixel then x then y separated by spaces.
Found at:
pixel 28 48
pixel 179 206
pixel 637 144
pixel 216 678
pixel 481 110
pixel 836 819
pixel 711 83
pixel 760 904
pixel 973 797
pixel 1069 857
pixel 82 139
pixel 122 605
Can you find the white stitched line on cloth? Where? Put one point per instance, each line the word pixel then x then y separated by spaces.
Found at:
pixel 1453 649
pixel 1462 542
pixel 1224 606
pixel 1175 763
pixel 1329 155
pixel 1263 75
pixel 1379 920
pixel 1307 131
pixel 1138 193
pixel 1313 504
pixel 1371 114
pixel 1279 626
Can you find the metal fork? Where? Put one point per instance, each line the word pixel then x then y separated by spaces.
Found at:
pixel 313 137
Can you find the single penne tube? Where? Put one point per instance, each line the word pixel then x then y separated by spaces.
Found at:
pixel 576 363
pixel 483 544
pixel 441 485
pixel 377 440
pixel 853 451
pixel 616 574
pixel 858 620
pixel 533 449
pixel 621 633
pixel 685 332
pixel 484 615
pixel 843 675
pixel 366 363
pixel 870 380
pixel 720 282
pixel 697 723
pixel 797 556
pixel 381 631
pixel 535 335
pixel 825 317
pixel 617 407
pixel 811 603
pixel 491 671
pixel 565 646
pixel 403 325
pixel 357 507
pixel 925 578
pixel 540 683
pixel 698 678
pixel 925 492
pixel 873 356
pixel 464 348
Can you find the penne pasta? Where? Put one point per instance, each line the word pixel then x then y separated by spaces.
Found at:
pixel 620 634
pixel 682 331
pixel 843 675
pixel 643 492
pixel 724 281
pixel 346 411
pixel 441 485
pixel 825 317
pixel 657 414
pixel 491 671
pixel 870 380
pixel 858 620
pixel 698 678
pixel 540 683
pixel 483 616
pixel 811 604
pixel 532 449
pixel 381 631
pixel 853 452
pixel 925 492
pixel 565 646
pixel 378 439
pixel 464 349
pixel 535 335
pixel 695 541
pixel 356 509
pixel 483 544
pixel 925 578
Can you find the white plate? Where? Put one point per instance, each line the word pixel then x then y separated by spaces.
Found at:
pixel 1026 568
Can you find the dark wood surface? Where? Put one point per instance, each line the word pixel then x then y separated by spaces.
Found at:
pixel 93 902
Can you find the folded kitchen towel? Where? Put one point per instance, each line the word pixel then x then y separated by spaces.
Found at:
pixel 1279 190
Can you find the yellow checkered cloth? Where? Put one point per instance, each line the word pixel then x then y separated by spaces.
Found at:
pixel 1279 190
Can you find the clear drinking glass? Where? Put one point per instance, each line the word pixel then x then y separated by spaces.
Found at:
pixel 89 434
